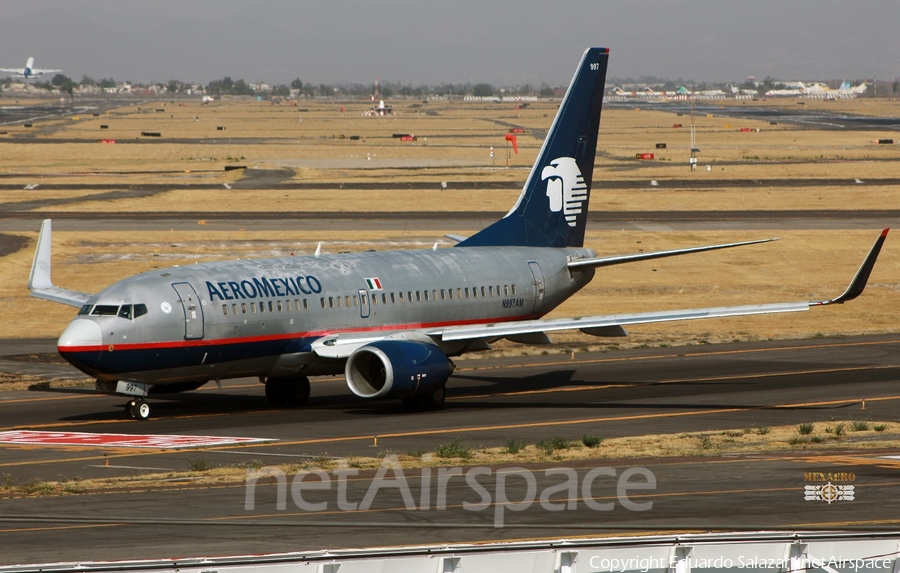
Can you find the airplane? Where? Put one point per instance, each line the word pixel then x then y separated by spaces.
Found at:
pixel 701 94
pixel 389 321
pixel 845 90
pixel 29 71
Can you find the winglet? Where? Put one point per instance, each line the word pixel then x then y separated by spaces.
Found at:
pixel 39 282
pixel 40 267
pixel 862 275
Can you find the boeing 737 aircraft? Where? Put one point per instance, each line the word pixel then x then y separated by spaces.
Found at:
pixel 389 321
pixel 29 71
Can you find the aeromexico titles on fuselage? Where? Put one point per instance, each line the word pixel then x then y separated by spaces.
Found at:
pixel 263 287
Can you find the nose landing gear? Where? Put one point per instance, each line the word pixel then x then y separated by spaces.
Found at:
pixel 137 409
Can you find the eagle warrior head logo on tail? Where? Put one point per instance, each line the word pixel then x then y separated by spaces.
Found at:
pixel 565 187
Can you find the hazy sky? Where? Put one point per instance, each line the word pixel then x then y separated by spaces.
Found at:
pixel 502 42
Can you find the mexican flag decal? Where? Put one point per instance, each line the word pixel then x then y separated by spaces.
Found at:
pixel 373 283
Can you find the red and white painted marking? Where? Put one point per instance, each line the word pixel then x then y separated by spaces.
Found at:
pixel 36 438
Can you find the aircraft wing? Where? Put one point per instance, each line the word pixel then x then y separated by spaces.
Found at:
pixel 38 71
pixel 621 259
pixel 39 282
pixel 20 71
pixel 611 325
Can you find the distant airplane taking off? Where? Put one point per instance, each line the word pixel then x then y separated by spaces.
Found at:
pixel 388 321
pixel 29 71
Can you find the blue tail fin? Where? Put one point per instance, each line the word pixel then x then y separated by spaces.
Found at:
pixel 552 209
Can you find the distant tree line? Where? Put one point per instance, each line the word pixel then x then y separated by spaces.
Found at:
pixel 386 90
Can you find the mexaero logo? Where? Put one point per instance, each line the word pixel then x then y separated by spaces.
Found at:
pixel 566 188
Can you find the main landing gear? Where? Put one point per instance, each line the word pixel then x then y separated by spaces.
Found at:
pixel 287 391
pixel 137 409
pixel 430 401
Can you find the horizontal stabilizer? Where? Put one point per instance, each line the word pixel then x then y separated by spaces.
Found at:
pixel 622 259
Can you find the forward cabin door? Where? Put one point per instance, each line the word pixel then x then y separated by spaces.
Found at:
pixel 538 285
pixel 193 310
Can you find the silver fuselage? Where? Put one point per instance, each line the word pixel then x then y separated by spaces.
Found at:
pixel 262 317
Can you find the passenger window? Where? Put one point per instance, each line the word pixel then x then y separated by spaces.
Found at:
pixel 374 299
pixel 482 292
pixel 409 298
pixel 305 304
pixel 458 292
pixel 140 310
pixel 393 300
pixel 224 310
pixel 467 292
pixel 474 292
pixel 383 298
pixel 401 297
pixel 243 308
pixel 86 309
pixel 253 307
pixel 443 294
pixel 125 311
pixel 450 293
pixel 506 290
pixel 233 308
pixel 271 306
pixel 491 290
pixel 514 289
pixel 262 306
pixel 434 294
pixel 364 301
pixel 280 307
pixel 418 296
pixel 426 295
pixel 347 300
pixel 355 300
pixel 105 310
pixel 331 302
pixel 340 302
pixel 323 301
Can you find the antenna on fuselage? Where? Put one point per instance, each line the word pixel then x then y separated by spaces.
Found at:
pixel 318 249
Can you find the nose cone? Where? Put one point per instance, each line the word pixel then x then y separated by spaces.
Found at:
pixel 80 333
pixel 81 343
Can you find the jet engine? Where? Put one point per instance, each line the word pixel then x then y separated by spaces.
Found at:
pixel 397 368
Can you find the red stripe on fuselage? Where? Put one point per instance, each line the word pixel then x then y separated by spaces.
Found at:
pixel 290 335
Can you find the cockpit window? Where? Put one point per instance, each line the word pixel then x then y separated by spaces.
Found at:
pixel 105 310
pixel 85 310
pixel 132 311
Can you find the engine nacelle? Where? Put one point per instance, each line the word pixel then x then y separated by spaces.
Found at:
pixel 396 368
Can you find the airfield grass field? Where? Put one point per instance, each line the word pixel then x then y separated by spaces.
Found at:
pixel 311 143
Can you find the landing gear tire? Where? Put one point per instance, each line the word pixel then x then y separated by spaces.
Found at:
pixel 288 391
pixel 138 410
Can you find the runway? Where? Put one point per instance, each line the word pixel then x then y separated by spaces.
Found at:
pixel 622 393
